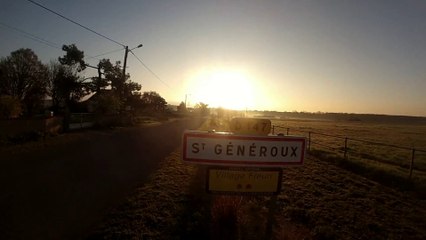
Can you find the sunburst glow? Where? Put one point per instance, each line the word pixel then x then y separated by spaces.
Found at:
pixel 230 89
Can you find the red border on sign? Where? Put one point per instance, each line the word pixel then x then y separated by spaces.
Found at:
pixel 239 137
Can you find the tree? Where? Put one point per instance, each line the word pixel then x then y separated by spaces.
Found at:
pixel 70 84
pixel 220 112
pixel 98 83
pixel 202 109
pixel 24 77
pixel 152 101
pixel 123 87
pixel 181 108
pixel 10 107
pixel 73 57
pixel 107 104
pixel 67 86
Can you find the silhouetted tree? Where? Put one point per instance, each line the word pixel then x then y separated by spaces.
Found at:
pixel 202 109
pixel 24 77
pixel 67 86
pixel 152 101
pixel 98 83
pixel 123 87
pixel 73 57
pixel 181 108
pixel 107 104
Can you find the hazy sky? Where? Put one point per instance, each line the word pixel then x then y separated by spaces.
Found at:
pixel 330 56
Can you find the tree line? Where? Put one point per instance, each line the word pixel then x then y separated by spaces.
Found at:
pixel 26 82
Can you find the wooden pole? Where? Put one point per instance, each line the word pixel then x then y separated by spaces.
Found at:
pixel 121 86
pixel 81 121
pixel 309 144
pixel 413 153
pixel 271 218
pixel 346 149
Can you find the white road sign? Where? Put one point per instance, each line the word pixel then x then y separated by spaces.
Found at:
pixel 241 150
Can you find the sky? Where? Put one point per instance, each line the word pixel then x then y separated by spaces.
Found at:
pixel 329 56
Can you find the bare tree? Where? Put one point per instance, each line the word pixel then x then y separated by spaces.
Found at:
pixel 24 77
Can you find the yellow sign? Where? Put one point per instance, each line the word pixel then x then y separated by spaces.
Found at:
pixel 252 126
pixel 221 180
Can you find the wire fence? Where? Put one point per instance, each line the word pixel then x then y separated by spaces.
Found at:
pixel 391 154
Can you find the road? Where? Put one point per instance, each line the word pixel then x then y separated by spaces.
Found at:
pixel 62 188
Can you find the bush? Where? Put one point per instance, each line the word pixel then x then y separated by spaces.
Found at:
pixel 10 107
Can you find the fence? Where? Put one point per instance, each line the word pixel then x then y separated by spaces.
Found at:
pixel 358 148
pixel 88 120
pixel 18 127
pixel 82 120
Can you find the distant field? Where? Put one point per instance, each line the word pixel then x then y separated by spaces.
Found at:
pixel 330 136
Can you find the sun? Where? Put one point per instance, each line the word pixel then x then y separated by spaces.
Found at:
pixel 230 89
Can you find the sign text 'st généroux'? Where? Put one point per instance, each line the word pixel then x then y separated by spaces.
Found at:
pixel 229 148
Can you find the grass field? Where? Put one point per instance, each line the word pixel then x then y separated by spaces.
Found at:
pixel 405 136
pixel 379 149
pixel 390 144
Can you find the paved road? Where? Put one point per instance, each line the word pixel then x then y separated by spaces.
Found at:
pixel 62 190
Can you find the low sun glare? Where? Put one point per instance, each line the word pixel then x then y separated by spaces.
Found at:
pixel 230 89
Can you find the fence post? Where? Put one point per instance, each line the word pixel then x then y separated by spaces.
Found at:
pixel 81 121
pixel 309 139
pixel 413 153
pixel 346 148
pixel 273 129
pixel 288 130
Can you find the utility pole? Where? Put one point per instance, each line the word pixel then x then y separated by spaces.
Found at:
pixel 186 96
pixel 99 73
pixel 126 52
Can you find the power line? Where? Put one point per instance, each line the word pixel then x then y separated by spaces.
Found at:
pixel 113 51
pixel 49 43
pixel 153 73
pixel 68 19
pixel 32 36
pixel 44 41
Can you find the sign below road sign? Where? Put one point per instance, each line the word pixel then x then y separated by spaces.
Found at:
pixel 253 126
pixel 241 150
pixel 248 181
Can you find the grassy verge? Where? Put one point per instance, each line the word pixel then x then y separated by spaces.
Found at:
pixel 154 210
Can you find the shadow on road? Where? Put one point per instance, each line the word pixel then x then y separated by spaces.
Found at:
pixel 60 191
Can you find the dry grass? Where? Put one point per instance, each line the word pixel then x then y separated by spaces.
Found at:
pixel 318 201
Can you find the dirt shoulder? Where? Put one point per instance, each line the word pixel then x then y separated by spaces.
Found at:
pixel 318 201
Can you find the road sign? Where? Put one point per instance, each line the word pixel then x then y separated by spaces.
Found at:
pixel 226 149
pixel 247 181
pixel 253 126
